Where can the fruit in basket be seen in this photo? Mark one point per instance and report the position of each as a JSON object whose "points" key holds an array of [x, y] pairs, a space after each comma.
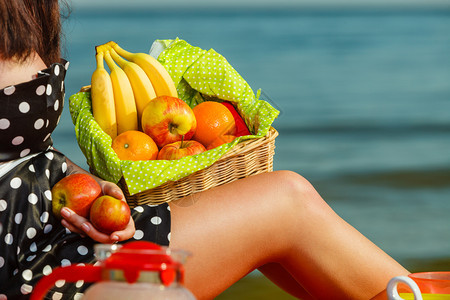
{"points": [[75, 191], [103, 107], [219, 141], [213, 120], [159, 77], [134, 145], [126, 113], [109, 214], [241, 127], [180, 149], [167, 119], [142, 87]]}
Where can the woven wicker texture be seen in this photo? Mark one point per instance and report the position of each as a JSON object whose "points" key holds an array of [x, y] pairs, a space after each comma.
{"points": [[245, 159]]}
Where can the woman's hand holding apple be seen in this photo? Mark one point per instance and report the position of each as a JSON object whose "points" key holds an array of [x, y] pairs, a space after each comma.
{"points": [[81, 225]]}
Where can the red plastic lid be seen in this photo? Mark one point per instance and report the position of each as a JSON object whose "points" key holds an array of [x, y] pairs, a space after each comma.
{"points": [[131, 258], [137, 256]]}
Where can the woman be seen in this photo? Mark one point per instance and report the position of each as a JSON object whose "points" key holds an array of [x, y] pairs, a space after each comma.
{"points": [[274, 222]]}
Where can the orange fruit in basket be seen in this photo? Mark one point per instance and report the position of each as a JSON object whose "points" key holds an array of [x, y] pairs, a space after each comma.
{"points": [[134, 145], [213, 120], [219, 141]]}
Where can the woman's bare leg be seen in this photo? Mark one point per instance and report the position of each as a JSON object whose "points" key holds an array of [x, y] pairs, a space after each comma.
{"points": [[275, 218], [283, 279]]}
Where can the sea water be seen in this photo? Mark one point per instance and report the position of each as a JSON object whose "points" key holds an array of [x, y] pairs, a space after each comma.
{"points": [[364, 99]]}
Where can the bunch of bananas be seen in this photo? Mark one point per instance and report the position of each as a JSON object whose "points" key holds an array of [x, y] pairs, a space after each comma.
{"points": [[119, 97]]}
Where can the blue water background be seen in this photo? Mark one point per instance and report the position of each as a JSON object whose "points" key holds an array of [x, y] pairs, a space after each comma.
{"points": [[364, 99]]}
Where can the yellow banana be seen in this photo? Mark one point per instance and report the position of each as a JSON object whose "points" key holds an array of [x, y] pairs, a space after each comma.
{"points": [[101, 48], [160, 78], [103, 107], [142, 87], [126, 113]]}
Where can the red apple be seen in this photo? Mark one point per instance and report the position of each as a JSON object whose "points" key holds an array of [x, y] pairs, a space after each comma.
{"points": [[109, 214], [241, 127], [77, 192], [180, 149], [167, 119]]}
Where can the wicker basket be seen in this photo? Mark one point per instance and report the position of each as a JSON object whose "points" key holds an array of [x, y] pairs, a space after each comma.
{"points": [[247, 158]]}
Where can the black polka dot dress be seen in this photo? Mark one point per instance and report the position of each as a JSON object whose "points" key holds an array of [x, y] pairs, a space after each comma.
{"points": [[32, 241]]}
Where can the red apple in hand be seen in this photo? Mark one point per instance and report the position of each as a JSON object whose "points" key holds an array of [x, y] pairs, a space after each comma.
{"points": [[180, 149], [109, 214], [241, 127], [77, 192], [166, 119]]}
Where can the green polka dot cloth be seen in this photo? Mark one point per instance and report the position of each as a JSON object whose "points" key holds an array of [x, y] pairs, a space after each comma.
{"points": [[199, 76]]}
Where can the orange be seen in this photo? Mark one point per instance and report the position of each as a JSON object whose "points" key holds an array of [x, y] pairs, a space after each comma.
{"points": [[134, 145], [213, 120], [219, 141]]}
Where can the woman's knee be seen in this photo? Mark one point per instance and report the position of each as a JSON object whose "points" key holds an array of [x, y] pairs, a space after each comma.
{"points": [[295, 185], [299, 194]]}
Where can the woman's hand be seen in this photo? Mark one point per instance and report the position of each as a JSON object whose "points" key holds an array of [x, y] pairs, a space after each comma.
{"points": [[81, 225], [110, 189], [78, 224]]}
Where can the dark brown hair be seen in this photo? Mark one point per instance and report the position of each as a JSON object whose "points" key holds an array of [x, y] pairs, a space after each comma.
{"points": [[30, 25]]}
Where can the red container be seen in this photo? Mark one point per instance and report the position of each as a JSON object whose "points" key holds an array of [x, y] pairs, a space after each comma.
{"points": [[432, 282]]}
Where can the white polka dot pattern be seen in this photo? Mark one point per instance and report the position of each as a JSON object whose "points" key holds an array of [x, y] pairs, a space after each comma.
{"points": [[24, 152], [156, 220], [44, 217], [15, 183], [4, 123], [26, 289], [33, 247], [31, 233], [82, 250], [9, 90], [37, 106], [48, 228], [3, 205], [35, 239], [32, 198], [47, 248], [47, 270], [18, 218], [40, 90], [65, 262], [60, 283], [78, 296], [27, 275], [24, 107], [17, 140], [137, 208], [9, 239], [138, 235], [31, 257]]}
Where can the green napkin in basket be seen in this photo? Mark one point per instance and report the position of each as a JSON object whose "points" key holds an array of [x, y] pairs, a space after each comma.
{"points": [[199, 75]]}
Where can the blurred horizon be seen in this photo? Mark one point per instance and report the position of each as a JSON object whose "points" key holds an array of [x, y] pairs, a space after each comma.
{"points": [[256, 4]]}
